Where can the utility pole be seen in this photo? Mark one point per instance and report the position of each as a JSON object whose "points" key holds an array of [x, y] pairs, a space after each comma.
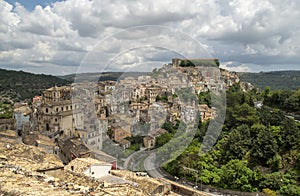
{"points": [[194, 171]]}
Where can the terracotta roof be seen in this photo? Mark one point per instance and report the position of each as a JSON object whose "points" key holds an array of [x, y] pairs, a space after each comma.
{"points": [[23, 109], [124, 142], [157, 132], [74, 145]]}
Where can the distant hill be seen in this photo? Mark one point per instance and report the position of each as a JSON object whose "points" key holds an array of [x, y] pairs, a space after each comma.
{"points": [[92, 77], [19, 85], [284, 80]]}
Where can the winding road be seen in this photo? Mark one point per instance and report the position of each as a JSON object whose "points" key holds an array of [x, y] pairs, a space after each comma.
{"points": [[134, 161], [151, 168]]}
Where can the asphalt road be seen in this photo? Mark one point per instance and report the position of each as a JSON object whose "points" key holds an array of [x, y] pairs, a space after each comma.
{"points": [[155, 171], [132, 162], [151, 168]]}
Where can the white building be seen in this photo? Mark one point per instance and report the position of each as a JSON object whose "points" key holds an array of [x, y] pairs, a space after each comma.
{"points": [[22, 117], [89, 167]]}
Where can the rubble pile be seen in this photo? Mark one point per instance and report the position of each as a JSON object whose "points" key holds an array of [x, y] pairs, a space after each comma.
{"points": [[18, 176], [149, 185], [17, 181], [30, 158], [123, 190]]}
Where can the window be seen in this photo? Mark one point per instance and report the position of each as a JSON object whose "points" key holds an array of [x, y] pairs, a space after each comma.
{"points": [[55, 119], [47, 110], [56, 109], [47, 127], [62, 108]]}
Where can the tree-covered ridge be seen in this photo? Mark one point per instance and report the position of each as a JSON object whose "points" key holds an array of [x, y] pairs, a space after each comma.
{"points": [[286, 100], [258, 150], [101, 76], [19, 85], [277, 80]]}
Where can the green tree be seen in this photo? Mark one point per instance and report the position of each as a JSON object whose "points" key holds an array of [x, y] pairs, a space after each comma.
{"points": [[163, 139], [266, 92], [264, 145], [292, 103], [237, 143], [244, 114], [167, 126], [237, 176], [290, 134]]}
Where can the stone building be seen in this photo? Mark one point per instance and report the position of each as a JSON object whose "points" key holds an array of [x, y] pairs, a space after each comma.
{"points": [[177, 62], [6, 124], [58, 112], [149, 140], [34, 138], [152, 93], [206, 112], [89, 167], [72, 148], [119, 133], [91, 136]]}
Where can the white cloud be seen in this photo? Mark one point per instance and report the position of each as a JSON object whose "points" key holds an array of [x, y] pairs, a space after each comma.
{"points": [[8, 19], [250, 32], [237, 68]]}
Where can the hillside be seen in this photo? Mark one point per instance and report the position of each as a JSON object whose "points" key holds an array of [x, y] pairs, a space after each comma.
{"points": [[19, 85], [257, 151], [91, 77], [277, 80], [98, 76]]}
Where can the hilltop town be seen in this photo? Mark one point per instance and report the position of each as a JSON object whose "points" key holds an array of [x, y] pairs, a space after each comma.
{"points": [[100, 124]]}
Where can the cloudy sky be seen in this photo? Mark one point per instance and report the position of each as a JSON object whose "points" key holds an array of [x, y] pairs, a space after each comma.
{"points": [[62, 37]]}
